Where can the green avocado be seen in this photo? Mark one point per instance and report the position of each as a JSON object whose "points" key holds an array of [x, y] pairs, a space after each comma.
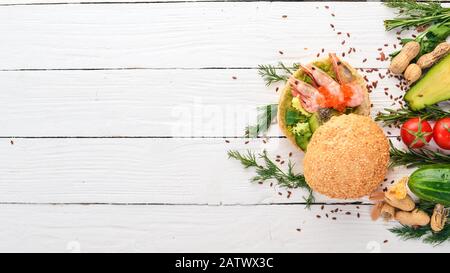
{"points": [[302, 142], [314, 122], [434, 87]]}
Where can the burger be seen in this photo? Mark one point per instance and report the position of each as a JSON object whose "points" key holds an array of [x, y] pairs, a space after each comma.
{"points": [[315, 93]]}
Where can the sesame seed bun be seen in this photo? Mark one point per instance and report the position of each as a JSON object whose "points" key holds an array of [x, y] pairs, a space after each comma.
{"points": [[347, 157], [286, 99]]}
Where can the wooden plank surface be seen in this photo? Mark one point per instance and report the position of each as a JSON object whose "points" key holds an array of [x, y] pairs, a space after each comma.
{"points": [[93, 228], [145, 102], [164, 171], [116, 118], [162, 35]]}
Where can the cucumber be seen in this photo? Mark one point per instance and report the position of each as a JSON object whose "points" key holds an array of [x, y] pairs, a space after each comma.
{"points": [[432, 183]]}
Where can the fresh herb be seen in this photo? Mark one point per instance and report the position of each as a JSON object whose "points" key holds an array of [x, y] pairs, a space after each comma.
{"points": [[430, 15], [416, 14], [271, 74], [265, 116], [416, 157], [269, 170], [293, 117], [429, 39], [395, 117]]}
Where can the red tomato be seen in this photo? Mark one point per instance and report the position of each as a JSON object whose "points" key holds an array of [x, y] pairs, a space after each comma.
{"points": [[416, 133], [441, 133]]}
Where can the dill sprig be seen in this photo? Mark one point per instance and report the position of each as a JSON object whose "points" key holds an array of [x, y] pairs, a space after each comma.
{"points": [[417, 157], [415, 14], [273, 74], [395, 117], [265, 116], [270, 171]]}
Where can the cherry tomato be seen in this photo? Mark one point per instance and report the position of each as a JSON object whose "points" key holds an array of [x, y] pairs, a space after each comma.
{"points": [[441, 133], [416, 133]]}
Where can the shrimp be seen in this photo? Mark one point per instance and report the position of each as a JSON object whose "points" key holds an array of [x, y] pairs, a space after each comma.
{"points": [[322, 79], [324, 91], [352, 90], [309, 96]]}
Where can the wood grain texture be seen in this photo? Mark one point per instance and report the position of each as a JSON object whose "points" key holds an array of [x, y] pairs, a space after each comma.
{"points": [[196, 229], [169, 35], [143, 102], [75, 76], [173, 171]]}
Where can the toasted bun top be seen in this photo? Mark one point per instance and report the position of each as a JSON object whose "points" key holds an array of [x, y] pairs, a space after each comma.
{"points": [[286, 100], [347, 157]]}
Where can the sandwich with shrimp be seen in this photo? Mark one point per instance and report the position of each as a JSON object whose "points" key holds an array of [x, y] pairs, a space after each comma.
{"points": [[316, 92]]}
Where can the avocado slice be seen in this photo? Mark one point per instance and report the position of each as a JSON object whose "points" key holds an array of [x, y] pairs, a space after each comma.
{"points": [[434, 87], [314, 122]]}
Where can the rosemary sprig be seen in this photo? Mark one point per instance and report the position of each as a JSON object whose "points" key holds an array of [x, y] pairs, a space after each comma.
{"points": [[271, 75], [425, 233], [414, 14], [269, 170], [395, 117], [266, 115], [417, 157]]}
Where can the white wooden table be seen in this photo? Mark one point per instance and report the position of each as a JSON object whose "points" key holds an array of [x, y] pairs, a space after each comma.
{"points": [[116, 117]]}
